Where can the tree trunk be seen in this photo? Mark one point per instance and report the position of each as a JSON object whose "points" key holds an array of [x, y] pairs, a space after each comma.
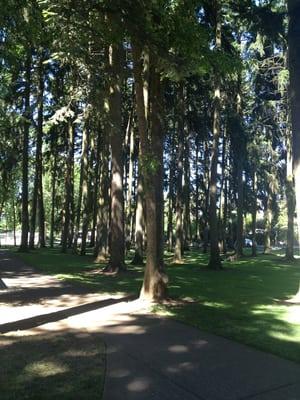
{"points": [[129, 202], [171, 195], [186, 195], [79, 202], [268, 224], [154, 284], [197, 191], [68, 185], [179, 193], [254, 211], [96, 189], [101, 248], [290, 199], [215, 260], [14, 221], [240, 205], [27, 113], [139, 221], [86, 192], [39, 157], [117, 245], [53, 192], [222, 223]]}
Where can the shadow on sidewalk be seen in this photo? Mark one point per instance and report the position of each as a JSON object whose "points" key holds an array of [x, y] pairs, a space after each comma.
{"points": [[38, 320]]}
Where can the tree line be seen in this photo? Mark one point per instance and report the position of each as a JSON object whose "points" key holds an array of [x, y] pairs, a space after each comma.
{"points": [[140, 125]]}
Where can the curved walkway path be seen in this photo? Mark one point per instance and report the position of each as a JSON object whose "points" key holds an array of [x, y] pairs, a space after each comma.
{"points": [[148, 357]]}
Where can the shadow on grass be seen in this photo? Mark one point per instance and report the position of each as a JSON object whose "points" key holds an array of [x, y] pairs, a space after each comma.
{"points": [[241, 302], [46, 366]]}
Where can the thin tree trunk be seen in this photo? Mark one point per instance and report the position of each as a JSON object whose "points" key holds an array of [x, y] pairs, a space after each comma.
{"points": [[179, 248], [101, 248], [96, 189], [130, 181], [171, 194], [186, 195], [86, 192], [240, 155], [197, 191], [68, 185], [291, 201], [25, 218], [79, 202], [268, 224], [139, 221], [254, 211], [240, 203], [53, 195], [39, 157], [215, 260], [14, 221], [222, 224]]}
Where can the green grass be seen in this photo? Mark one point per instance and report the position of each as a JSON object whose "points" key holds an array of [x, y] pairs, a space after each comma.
{"points": [[244, 302], [52, 366]]}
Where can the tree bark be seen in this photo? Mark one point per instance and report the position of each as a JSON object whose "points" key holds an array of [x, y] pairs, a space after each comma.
{"points": [[87, 190], [171, 195], [101, 248], [139, 221], [215, 260], [37, 200], [68, 185], [186, 195], [154, 284], [254, 211], [290, 199], [117, 245], [179, 248], [26, 126], [294, 92], [268, 224]]}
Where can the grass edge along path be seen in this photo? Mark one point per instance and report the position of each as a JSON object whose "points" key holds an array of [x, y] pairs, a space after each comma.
{"points": [[246, 302]]}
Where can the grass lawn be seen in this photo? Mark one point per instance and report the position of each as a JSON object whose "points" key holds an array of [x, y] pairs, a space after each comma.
{"points": [[51, 366], [244, 302]]}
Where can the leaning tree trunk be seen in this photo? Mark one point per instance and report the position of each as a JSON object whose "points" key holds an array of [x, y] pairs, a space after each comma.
{"points": [[154, 284], [25, 218], [117, 245]]}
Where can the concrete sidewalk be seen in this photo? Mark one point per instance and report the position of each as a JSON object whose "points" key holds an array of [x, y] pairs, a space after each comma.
{"points": [[149, 357]]}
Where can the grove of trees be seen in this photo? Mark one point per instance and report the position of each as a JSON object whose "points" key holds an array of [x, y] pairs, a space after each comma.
{"points": [[132, 127]]}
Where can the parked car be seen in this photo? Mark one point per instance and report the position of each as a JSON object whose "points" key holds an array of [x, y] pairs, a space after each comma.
{"points": [[248, 242]]}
